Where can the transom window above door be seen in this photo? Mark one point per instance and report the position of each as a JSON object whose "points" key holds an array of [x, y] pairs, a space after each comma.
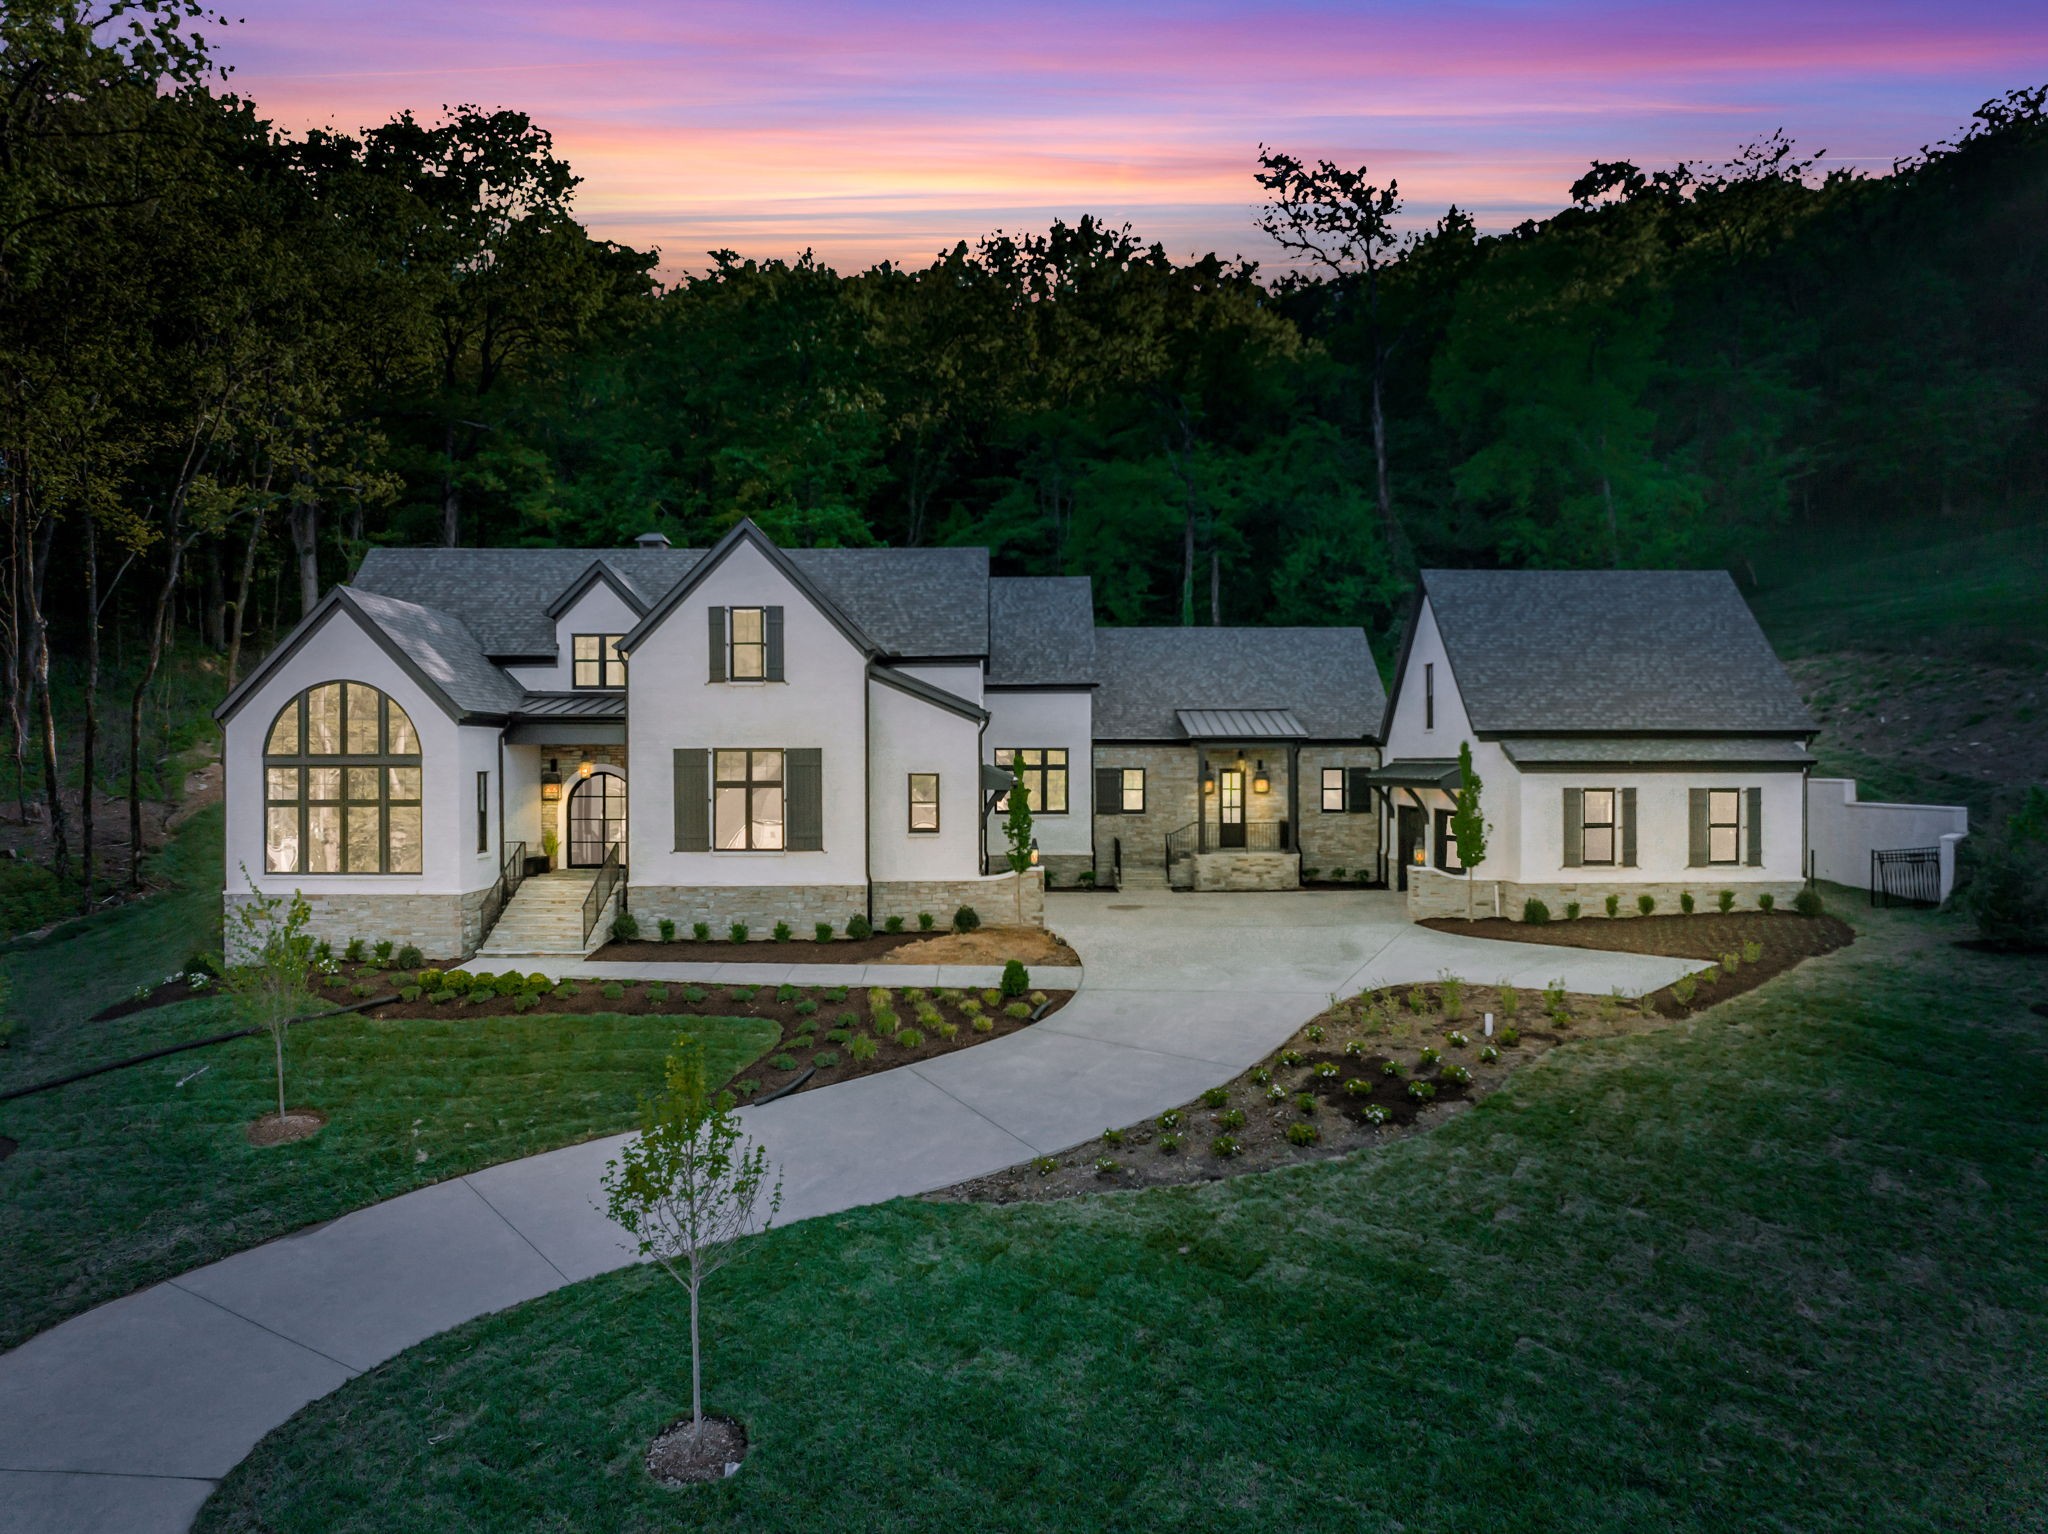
{"points": [[597, 662]]}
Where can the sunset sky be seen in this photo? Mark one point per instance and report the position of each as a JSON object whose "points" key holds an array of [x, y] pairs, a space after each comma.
{"points": [[870, 130]]}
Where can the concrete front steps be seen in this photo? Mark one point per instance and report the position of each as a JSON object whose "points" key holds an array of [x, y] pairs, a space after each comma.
{"points": [[544, 919]]}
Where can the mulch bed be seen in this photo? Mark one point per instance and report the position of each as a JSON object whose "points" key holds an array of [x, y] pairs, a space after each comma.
{"points": [[1785, 938], [805, 1043], [764, 950], [166, 995], [8, 1146], [297, 1124], [677, 1459]]}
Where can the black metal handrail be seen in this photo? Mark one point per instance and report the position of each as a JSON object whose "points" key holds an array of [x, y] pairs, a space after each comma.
{"points": [[1116, 862], [512, 870], [600, 896], [1181, 841]]}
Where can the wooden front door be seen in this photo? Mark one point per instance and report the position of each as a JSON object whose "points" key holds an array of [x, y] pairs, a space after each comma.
{"points": [[1230, 808], [597, 819], [1408, 824]]}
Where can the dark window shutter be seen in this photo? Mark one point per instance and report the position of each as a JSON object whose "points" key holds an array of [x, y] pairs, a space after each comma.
{"points": [[1109, 790], [1628, 828], [1756, 828], [1443, 839], [771, 626], [1357, 790], [1574, 827], [717, 643], [803, 778], [693, 800], [1696, 827]]}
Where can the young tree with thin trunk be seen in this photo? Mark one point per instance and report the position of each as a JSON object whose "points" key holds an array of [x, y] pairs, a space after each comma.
{"points": [[270, 967], [1017, 831], [687, 1188], [1468, 825]]}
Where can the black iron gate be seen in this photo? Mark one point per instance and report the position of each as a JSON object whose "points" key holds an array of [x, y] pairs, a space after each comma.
{"points": [[1906, 876]]}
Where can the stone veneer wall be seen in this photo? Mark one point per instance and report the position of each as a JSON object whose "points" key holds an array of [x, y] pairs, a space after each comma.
{"points": [[440, 926], [760, 906], [1433, 894], [1247, 871], [994, 899], [1064, 869], [1334, 840], [1169, 804]]}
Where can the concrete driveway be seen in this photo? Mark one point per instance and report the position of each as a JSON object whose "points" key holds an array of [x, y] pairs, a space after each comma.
{"points": [[124, 1418]]}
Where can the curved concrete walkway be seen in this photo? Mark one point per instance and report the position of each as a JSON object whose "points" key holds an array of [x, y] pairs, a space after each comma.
{"points": [[125, 1417]]}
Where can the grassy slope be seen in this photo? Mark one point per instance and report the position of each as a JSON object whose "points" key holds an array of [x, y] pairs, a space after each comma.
{"points": [[1771, 1268]]}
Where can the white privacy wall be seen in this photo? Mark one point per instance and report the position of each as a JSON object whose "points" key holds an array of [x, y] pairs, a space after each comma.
{"points": [[1845, 831], [341, 651], [1049, 718], [600, 610], [672, 702], [910, 735]]}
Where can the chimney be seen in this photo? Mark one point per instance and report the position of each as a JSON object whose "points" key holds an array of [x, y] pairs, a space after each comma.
{"points": [[651, 541]]}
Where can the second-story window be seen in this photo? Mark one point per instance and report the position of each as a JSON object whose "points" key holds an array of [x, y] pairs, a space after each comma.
{"points": [[597, 661], [747, 659], [1045, 777]]}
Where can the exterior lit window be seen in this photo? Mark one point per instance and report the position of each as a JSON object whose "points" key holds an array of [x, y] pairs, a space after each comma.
{"points": [[598, 662], [1134, 791], [1597, 834], [924, 801], [1045, 777], [747, 800], [1333, 790], [747, 649], [1724, 825], [341, 785]]}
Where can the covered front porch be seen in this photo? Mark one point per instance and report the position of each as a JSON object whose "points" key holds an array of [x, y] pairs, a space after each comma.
{"points": [[1245, 811], [1416, 798]]}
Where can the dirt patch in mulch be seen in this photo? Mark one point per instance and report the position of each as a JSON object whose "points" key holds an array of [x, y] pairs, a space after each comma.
{"points": [[679, 1458], [1778, 939], [762, 950], [818, 1023], [2039, 1009], [297, 1124], [165, 995], [8, 1146], [989, 945]]}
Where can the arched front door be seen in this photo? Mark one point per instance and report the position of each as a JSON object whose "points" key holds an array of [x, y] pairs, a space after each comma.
{"points": [[597, 819]]}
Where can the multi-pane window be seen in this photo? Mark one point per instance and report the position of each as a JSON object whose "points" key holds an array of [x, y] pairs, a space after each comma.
{"points": [[1333, 790], [924, 801], [597, 660], [1724, 825], [341, 785], [1045, 777], [1132, 791], [1596, 835], [747, 647], [747, 801]]}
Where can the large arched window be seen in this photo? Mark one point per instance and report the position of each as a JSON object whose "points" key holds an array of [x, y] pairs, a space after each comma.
{"points": [[341, 785]]}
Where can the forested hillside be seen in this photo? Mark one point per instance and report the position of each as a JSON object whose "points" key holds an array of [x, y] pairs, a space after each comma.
{"points": [[237, 358]]}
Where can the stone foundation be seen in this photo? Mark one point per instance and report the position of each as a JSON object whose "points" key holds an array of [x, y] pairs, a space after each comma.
{"points": [[1433, 894], [1063, 870], [440, 926], [760, 906], [994, 899], [1247, 871]]}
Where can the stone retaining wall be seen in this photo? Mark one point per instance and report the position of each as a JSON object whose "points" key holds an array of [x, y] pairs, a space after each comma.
{"points": [[1247, 871], [760, 906], [1433, 894], [993, 897], [440, 926]]}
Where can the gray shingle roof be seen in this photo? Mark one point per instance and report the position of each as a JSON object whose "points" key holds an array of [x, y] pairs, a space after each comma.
{"points": [[1041, 630], [914, 602], [444, 651], [1325, 676], [1549, 651]]}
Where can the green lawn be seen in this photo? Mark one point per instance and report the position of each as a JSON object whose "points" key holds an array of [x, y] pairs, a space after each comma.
{"points": [[141, 1174], [1779, 1267]]}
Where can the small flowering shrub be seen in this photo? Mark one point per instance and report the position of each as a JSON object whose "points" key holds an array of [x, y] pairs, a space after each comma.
{"points": [[1510, 1037], [1456, 1039], [1261, 1075], [1291, 1057], [1324, 1070], [1231, 1118], [1391, 1068], [1104, 1165], [1302, 1133], [1431, 1054], [1421, 1091], [1356, 1087], [1458, 1073], [1304, 1102], [1313, 1033], [1170, 1119], [1354, 1046], [1112, 1137], [1223, 1147], [1215, 1097], [1169, 1144], [1276, 1093], [1374, 1114], [1489, 1054], [1045, 1166]]}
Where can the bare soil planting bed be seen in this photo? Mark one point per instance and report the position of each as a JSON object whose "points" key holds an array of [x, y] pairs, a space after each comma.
{"points": [[985, 945], [819, 1023], [1332, 1077], [1779, 939]]}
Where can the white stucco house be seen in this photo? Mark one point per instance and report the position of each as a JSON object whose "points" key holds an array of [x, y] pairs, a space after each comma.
{"points": [[758, 735], [1634, 732]]}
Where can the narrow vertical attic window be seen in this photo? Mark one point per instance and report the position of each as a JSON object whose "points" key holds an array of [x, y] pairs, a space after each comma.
{"points": [[1429, 695], [748, 661]]}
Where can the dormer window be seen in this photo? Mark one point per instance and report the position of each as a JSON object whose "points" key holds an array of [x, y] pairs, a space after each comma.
{"points": [[746, 644], [597, 661]]}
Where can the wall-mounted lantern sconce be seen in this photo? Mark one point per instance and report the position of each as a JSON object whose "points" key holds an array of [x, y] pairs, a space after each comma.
{"points": [[1261, 784], [1208, 780], [1416, 857], [551, 783], [1034, 852], [585, 768]]}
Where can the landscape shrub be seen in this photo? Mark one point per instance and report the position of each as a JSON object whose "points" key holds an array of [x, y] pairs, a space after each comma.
{"points": [[1324, 1070], [781, 933], [1614, 905], [1231, 1118], [1170, 1119], [382, 950], [910, 1038], [1646, 904], [786, 993], [1354, 1046], [1731, 962], [893, 924], [1455, 1072], [701, 931], [1415, 1000], [1430, 1054], [1809, 903], [1556, 1002], [1685, 902], [1766, 902], [657, 993], [457, 981], [859, 928], [981, 1022], [1535, 912], [1684, 988], [1421, 1091], [742, 993], [1392, 1068], [522, 1002], [1261, 1075], [861, 1047], [1276, 1093], [1215, 1097], [991, 998], [1313, 1033], [667, 928], [1489, 1054], [362, 989], [1374, 1114], [926, 921], [1016, 981], [1510, 1001], [1456, 1039], [353, 953], [409, 957], [1571, 910], [1291, 1057], [1752, 951], [837, 1035], [737, 932], [836, 994], [784, 1062], [613, 991], [1725, 900], [1169, 1144], [948, 1031], [966, 919], [539, 982], [825, 1059], [1112, 1137], [805, 1007], [625, 927], [2006, 893], [802, 1041], [1357, 1087], [1300, 1133], [694, 993], [408, 993], [1305, 1102], [1510, 1037], [822, 932], [1018, 1009], [1223, 1147]]}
